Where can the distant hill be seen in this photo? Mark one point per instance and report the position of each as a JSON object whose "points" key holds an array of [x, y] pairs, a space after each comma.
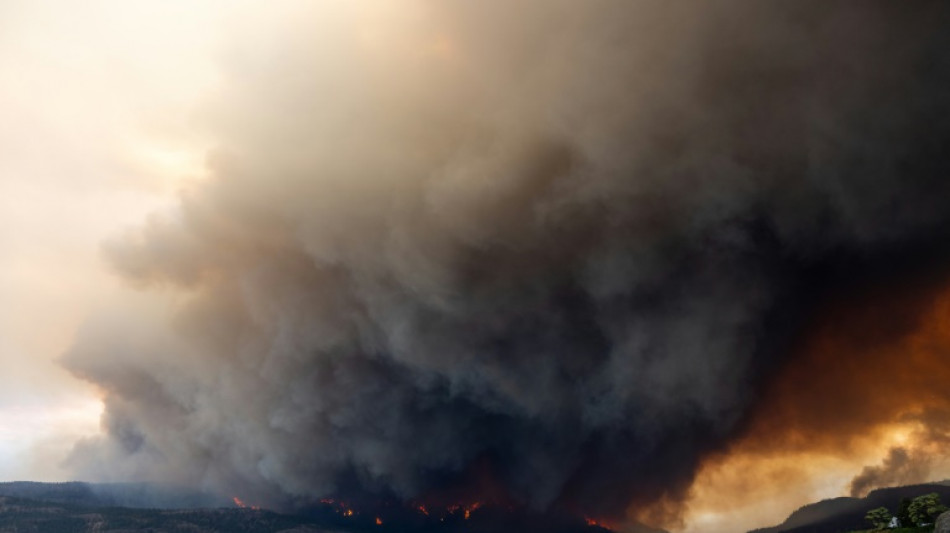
{"points": [[135, 495], [22, 515], [847, 514]]}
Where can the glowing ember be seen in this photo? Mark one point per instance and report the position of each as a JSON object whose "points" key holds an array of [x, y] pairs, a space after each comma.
{"points": [[428, 514], [466, 509], [470, 508], [340, 505]]}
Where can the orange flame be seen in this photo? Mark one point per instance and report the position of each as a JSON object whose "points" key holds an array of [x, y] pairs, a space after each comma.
{"points": [[423, 510], [242, 505], [378, 521], [591, 522], [348, 512], [470, 508]]}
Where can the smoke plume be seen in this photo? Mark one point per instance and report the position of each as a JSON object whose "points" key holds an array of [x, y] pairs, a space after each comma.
{"points": [[898, 468], [550, 252]]}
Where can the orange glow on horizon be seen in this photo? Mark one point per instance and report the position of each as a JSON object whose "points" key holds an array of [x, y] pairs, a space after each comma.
{"points": [[870, 379]]}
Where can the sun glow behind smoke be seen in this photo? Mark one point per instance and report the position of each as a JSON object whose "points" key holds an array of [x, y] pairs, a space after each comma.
{"points": [[98, 101]]}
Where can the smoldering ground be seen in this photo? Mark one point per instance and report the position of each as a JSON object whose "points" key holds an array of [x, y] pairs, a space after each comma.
{"points": [[551, 252]]}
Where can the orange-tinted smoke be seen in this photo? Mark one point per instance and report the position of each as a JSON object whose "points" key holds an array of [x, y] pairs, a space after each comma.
{"points": [[862, 403], [872, 360]]}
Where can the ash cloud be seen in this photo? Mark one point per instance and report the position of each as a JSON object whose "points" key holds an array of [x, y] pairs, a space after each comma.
{"points": [[550, 252]]}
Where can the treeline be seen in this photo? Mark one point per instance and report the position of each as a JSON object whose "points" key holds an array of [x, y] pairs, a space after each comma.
{"points": [[33, 516], [920, 511]]}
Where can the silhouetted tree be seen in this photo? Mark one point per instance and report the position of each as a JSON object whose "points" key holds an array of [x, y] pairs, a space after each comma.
{"points": [[923, 509], [903, 513], [880, 518]]}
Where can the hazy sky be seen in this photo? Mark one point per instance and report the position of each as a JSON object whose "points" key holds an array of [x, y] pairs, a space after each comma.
{"points": [[112, 112], [101, 128], [97, 103]]}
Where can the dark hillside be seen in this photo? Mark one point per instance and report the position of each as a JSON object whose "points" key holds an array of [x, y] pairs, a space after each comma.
{"points": [[76, 507], [34, 516], [847, 514], [136, 495]]}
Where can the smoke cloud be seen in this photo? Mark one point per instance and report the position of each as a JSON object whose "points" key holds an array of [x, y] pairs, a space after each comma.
{"points": [[898, 468], [553, 253]]}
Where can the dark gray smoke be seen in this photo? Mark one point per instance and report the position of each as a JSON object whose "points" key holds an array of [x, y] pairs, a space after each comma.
{"points": [[916, 460], [900, 467], [548, 251]]}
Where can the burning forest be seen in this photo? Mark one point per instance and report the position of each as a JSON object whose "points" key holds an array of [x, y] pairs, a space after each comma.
{"points": [[543, 265], [396, 515]]}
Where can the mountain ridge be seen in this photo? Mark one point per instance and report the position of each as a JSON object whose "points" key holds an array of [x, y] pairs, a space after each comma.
{"points": [[845, 513]]}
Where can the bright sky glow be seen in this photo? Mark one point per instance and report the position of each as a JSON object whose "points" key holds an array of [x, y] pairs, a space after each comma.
{"points": [[97, 99]]}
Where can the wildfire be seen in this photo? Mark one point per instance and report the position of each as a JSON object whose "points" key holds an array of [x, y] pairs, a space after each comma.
{"points": [[466, 509], [341, 506], [454, 513], [242, 505], [470, 508], [443, 513]]}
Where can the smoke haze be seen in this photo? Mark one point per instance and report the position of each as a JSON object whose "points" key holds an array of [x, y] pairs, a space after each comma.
{"points": [[558, 253]]}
